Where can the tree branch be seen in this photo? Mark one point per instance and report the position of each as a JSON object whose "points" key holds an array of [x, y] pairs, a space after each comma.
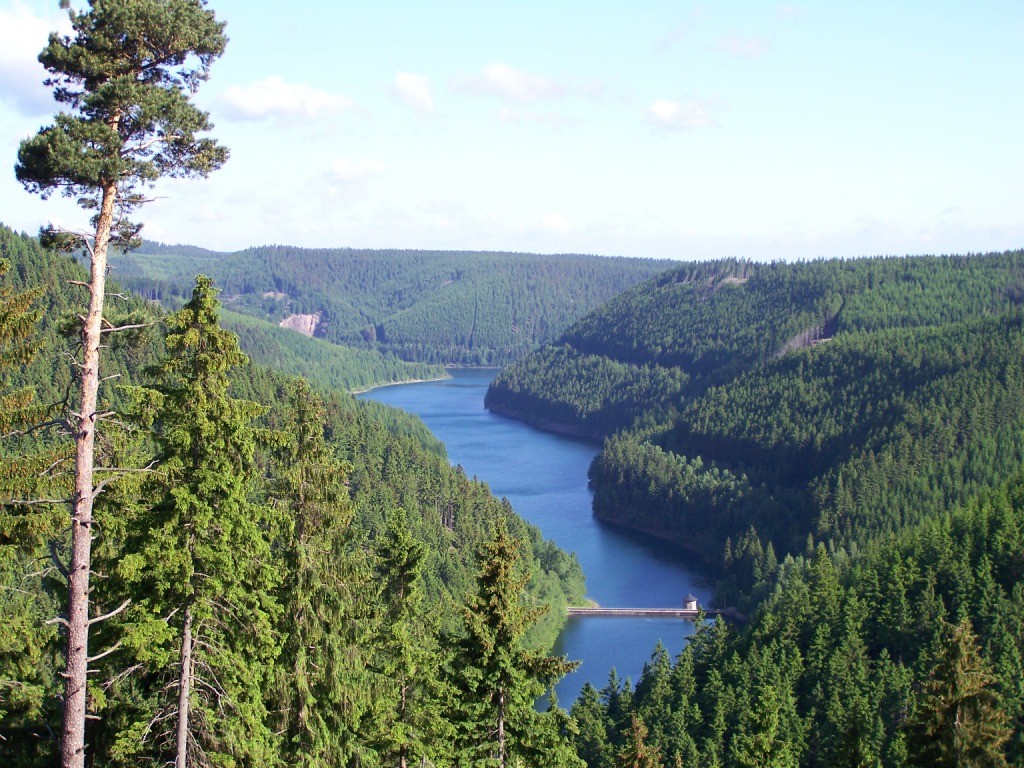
{"points": [[111, 614], [57, 561], [134, 326], [106, 653], [36, 427], [36, 502]]}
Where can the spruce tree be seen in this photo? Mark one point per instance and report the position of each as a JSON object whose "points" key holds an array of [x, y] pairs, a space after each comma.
{"points": [[637, 752], [592, 742], [321, 688], [500, 678], [959, 720], [126, 76], [409, 656], [199, 560], [27, 674], [765, 741], [18, 409]]}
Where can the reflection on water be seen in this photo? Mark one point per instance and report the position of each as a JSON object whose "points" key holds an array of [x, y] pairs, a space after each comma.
{"points": [[545, 478]]}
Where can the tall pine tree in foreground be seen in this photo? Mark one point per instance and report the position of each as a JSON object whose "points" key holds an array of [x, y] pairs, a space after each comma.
{"points": [[200, 563], [498, 676], [125, 76]]}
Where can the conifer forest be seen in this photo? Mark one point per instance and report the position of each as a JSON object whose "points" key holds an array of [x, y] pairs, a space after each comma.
{"points": [[212, 555]]}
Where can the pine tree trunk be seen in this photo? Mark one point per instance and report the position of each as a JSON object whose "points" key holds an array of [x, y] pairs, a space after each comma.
{"points": [[184, 690], [77, 655]]}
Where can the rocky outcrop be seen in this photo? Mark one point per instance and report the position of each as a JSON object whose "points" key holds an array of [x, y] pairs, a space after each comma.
{"points": [[304, 324]]}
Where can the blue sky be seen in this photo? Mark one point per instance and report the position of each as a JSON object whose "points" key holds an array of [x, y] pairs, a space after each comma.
{"points": [[650, 128]]}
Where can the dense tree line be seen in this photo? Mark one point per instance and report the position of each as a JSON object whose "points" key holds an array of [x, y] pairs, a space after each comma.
{"points": [[841, 399], [428, 306], [834, 441], [895, 641], [715, 321], [589, 395], [326, 366], [289, 580], [907, 653], [845, 441]]}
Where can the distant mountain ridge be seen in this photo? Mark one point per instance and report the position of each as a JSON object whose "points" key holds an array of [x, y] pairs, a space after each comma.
{"points": [[452, 307]]}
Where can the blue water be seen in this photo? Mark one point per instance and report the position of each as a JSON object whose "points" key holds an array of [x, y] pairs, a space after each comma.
{"points": [[545, 478]]}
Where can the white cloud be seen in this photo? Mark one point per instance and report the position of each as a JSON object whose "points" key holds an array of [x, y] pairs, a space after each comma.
{"points": [[743, 47], [556, 222], [675, 116], [273, 97], [352, 171], [22, 36], [512, 84], [414, 90]]}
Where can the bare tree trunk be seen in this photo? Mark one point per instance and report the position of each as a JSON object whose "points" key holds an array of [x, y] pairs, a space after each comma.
{"points": [[403, 751], [184, 690], [77, 656], [501, 728]]}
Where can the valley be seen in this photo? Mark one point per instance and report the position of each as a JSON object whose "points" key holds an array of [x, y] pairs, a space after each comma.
{"points": [[832, 447]]}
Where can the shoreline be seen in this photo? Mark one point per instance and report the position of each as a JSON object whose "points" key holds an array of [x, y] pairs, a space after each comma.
{"points": [[355, 392], [706, 563], [447, 375], [552, 427]]}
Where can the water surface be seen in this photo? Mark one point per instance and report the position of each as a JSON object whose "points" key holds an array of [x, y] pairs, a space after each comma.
{"points": [[545, 477]]}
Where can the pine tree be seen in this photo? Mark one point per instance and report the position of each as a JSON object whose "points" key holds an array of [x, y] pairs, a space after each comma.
{"points": [[959, 720], [126, 76], [199, 561], [499, 678]]}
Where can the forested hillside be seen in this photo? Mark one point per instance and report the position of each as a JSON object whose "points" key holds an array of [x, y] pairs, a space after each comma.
{"points": [[908, 654], [326, 566], [429, 306], [326, 366], [852, 447], [845, 440], [836, 399]]}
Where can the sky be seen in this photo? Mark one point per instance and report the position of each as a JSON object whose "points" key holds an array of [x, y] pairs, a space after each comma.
{"points": [[649, 128]]}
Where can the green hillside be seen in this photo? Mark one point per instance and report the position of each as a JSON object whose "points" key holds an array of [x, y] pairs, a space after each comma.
{"points": [[845, 440], [431, 306], [326, 366], [837, 399], [340, 496], [907, 654]]}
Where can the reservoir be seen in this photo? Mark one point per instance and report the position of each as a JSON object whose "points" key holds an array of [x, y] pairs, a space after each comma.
{"points": [[544, 476]]}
